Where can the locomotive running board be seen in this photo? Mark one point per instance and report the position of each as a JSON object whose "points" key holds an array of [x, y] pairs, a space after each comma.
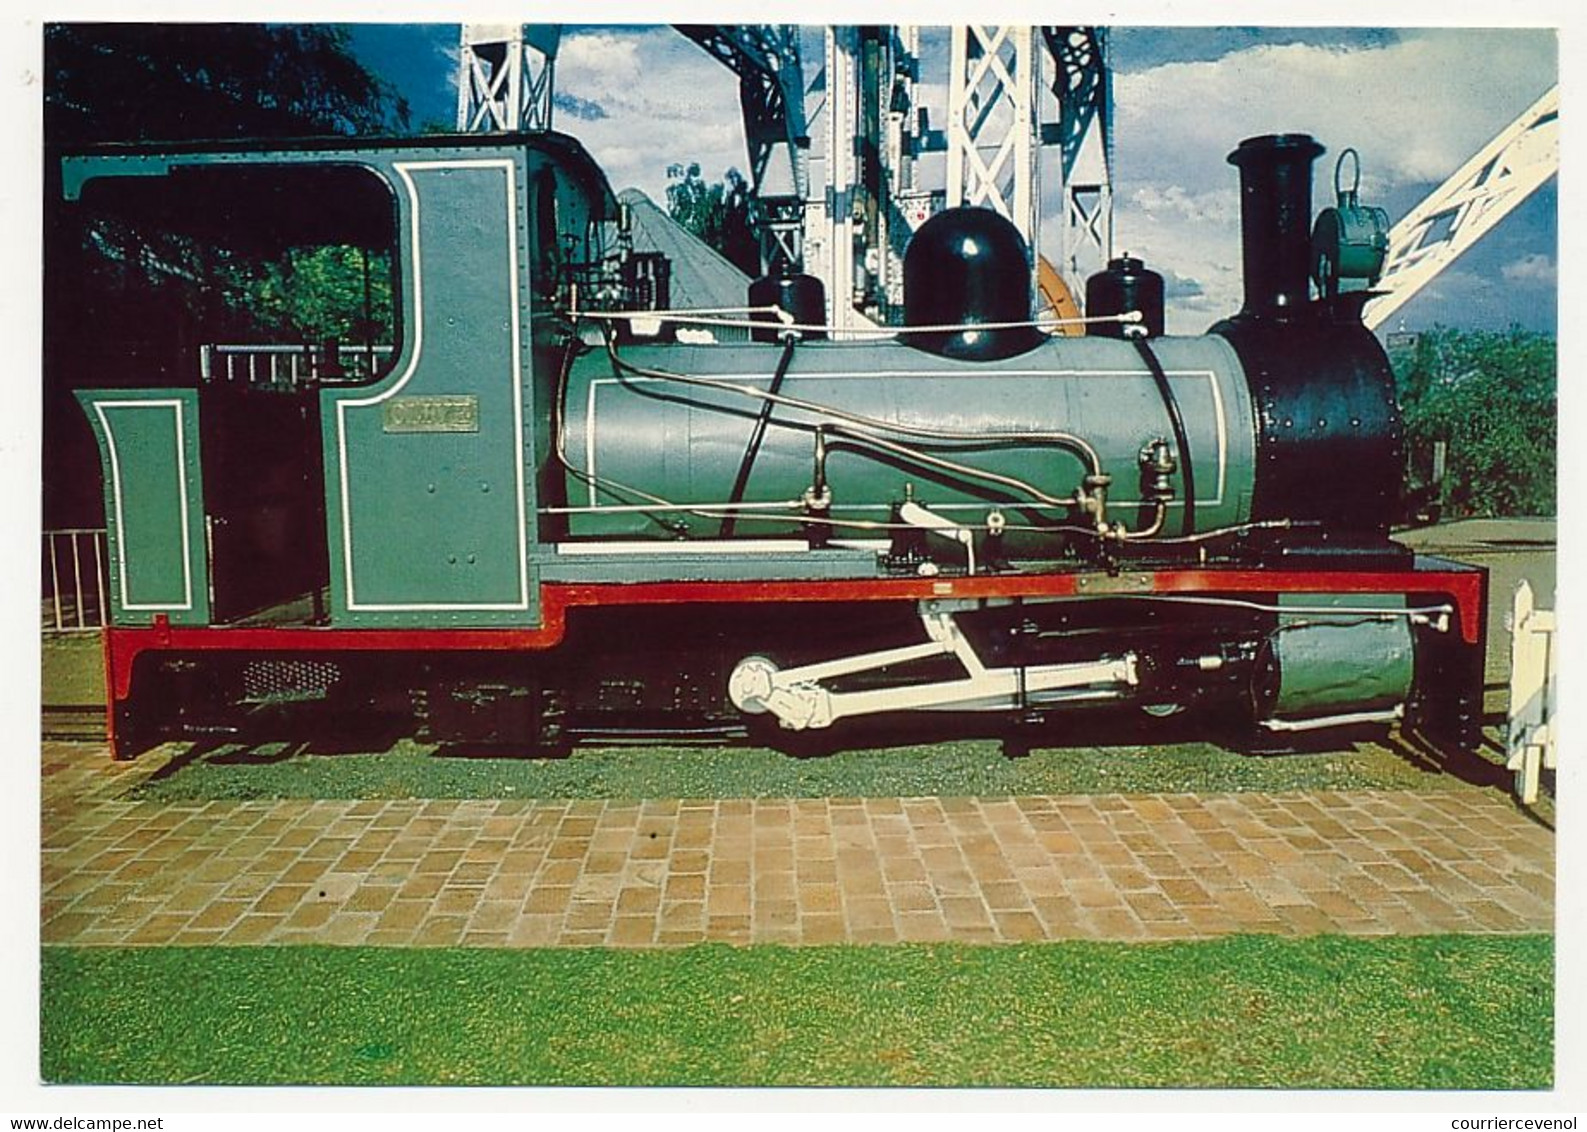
{"points": [[798, 700]]}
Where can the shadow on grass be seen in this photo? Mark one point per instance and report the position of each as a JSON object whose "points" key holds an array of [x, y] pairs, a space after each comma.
{"points": [[492, 752], [1439, 758], [1472, 767], [262, 746]]}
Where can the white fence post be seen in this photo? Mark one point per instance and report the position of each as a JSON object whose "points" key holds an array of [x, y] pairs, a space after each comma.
{"points": [[1531, 740]]}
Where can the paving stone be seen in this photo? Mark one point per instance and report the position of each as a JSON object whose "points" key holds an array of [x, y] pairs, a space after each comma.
{"points": [[685, 915], [530, 873], [440, 931], [826, 928], [1114, 923], [349, 928], [219, 914], [776, 886], [633, 931], [965, 911], [729, 900], [252, 929], [1152, 906], [535, 931]]}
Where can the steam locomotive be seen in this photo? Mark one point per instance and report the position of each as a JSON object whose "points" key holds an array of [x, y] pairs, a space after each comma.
{"points": [[566, 512]]}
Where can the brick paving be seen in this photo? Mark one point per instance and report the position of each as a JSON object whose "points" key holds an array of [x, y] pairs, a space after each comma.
{"points": [[491, 873]]}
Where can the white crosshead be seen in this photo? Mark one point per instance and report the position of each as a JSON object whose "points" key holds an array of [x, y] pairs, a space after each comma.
{"points": [[797, 698]]}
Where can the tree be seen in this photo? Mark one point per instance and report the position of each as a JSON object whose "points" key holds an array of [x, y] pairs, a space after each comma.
{"points": [[169, 82], [1491, 398], [311, 294], [719, 213]]}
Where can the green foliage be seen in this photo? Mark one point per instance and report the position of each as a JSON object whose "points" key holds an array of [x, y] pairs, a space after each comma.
{"points": [[694, 204], [718, 213], [1491, 397], [316, 293], [1444, 1012]]}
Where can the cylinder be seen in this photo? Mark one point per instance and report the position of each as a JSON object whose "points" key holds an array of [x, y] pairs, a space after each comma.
{"points": [[967, 266], [1317, 665], [1275, 220], [1126, 285], [802, 297]]}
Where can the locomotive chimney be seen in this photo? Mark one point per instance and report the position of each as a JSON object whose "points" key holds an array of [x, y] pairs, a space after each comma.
{"points": [[1275, 220]]}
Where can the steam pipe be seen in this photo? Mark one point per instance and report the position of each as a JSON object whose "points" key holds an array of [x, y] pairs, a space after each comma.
{"points": [[1275, 221], [741, 481]]}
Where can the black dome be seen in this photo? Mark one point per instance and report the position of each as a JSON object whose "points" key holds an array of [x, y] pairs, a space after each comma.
{"points": [[969, 265]]}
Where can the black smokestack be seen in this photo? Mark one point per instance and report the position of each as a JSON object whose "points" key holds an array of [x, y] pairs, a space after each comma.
{"points": [[1275, 220]]}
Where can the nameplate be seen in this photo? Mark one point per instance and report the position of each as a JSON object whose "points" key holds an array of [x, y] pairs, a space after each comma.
{"points": [[431, 414]]}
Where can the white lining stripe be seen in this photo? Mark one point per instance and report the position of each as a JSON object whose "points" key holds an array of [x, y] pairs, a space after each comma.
{"points": [[404, 170], [715, 549], [181, 489]]}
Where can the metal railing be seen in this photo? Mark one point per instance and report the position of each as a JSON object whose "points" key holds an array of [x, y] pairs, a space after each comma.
{"points": [[75, 597], [288, 367]]}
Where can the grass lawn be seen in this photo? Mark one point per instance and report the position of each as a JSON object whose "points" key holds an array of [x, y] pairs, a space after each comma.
{"points": [[1440, 1012], [408, 769]]}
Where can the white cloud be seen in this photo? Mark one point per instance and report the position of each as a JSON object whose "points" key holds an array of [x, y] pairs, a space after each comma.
{"points": [[1536, 269], [602, 59], [1416, 108], [666, 101], [1177, 203]]}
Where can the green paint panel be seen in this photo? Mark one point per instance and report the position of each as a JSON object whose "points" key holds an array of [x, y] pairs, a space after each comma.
{"points": [[154, 510], [429, 479]]}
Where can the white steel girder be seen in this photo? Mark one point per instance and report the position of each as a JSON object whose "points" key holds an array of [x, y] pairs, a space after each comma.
{"points": [[992, 124], [842, 205], [1481, 192], [506, 77], [860, 217]]}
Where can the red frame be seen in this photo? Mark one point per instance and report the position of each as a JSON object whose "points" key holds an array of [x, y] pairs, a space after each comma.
{"points": [[1466, 586]]}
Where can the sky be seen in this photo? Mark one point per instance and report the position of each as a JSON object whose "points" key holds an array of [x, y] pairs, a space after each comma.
{"points": [[1415, 102]]}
